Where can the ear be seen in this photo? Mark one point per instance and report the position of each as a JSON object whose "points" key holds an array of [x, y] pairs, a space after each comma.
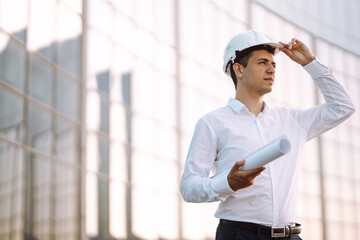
{"points": [[238, 70]]}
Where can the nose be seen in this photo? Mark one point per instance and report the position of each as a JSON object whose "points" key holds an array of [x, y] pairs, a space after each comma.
{"points": [[271, 69]]}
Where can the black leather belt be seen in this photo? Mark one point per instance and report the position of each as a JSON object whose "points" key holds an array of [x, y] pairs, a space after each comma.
{"points": [[274, 232]]}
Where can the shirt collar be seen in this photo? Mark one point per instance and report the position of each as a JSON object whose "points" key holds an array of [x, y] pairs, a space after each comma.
{"points": [[238, 106]]}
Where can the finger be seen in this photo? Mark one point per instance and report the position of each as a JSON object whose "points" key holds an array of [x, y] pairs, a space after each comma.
{"points": [[285, 45], [297, 41], [254, 172], [238, 165], [288, 52]]}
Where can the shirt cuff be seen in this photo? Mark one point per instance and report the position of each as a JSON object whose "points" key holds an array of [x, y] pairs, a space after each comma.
{"points": [[316, 68], [222, 187]]}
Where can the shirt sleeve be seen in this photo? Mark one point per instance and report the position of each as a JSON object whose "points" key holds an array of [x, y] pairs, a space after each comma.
{"points": [[338, 105], [195, 184]]}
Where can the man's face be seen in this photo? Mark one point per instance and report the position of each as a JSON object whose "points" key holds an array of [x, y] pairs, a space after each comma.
{"points": [[259, 75]]}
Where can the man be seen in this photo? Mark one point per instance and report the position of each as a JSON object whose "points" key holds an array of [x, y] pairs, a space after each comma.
{"points": [[259, 203]]}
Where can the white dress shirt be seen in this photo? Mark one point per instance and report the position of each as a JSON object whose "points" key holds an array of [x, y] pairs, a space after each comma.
{"points": [[230, 133]]}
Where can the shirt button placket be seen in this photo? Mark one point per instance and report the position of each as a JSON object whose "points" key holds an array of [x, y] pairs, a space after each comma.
{"points": [[264, 140]]}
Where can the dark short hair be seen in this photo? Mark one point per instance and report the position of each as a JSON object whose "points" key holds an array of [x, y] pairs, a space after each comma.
{"points": [[242, 57]]}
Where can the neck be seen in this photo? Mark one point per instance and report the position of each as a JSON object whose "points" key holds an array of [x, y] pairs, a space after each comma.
{"points": [[254, 104]]}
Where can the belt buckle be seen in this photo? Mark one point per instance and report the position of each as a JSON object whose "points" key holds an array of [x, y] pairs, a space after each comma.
{"points": [[277, 232]]}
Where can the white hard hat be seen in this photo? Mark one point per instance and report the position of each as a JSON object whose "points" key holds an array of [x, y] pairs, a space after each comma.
{"points": [[243, 41]]}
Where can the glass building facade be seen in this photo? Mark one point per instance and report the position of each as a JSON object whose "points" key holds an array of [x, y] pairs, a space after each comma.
{"points": [[99, 99]]}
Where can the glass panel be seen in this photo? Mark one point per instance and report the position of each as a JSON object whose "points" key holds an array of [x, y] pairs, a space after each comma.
{"points": [[39, 129], [75, 5], [97, 207], [66, 202], [145, 218], [39, 198], [119, 123], [41, 80], [119, 157], [11, 191], [92, 207], [12, 63], [101, 15], [104, 115], [97, 154], [126, 88], [68, 97], [103, 206], [117, 225], [102, 79], [14, 17], [164, 20], [67, 142], [11, 117], [69, 45], [104, 156], [100, 53], [41, 37]]}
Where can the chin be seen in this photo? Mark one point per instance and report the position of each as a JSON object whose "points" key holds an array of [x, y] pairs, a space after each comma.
{"points": [[266, 90]]}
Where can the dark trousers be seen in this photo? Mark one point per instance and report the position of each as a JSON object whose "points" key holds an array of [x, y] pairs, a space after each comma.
{"points": [[226, 232]]}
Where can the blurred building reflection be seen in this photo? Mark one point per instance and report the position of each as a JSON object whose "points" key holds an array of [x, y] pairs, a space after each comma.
{"points": [[99, 99]]}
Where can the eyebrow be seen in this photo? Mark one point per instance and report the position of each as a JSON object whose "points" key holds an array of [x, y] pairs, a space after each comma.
{"points": [[266, 60]]}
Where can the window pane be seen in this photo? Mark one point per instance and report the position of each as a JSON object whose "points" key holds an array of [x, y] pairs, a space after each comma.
{"points": [[68, 97], [92, 207], [97, 207], [104, 115], [11, 191], [97, 154], [41, 37], [39, 129], [39, 198], [117, 225], [12, 63], [98, 112], [11, 117], [75, 5], [66, 202], [14, 17], [67, 142], [69, 44], [41, 80]]}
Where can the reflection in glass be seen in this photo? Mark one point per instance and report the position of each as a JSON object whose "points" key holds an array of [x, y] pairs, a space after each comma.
{"points": [[41, 80], [11, 117], [103, 79], [39, 129], [103, 206], [11, 191], [14, 17], [97, 154], [67, 142], [12, 63], [68, 97], [117, 206], [104, 115], [42, 27], [103, 156], [69, 45], [52, 200], [66, 202], [92, 205], [38, 198], [97, 207]]}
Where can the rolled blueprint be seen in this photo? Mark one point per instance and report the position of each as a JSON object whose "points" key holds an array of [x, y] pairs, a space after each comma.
{"points": [[267, 153]]}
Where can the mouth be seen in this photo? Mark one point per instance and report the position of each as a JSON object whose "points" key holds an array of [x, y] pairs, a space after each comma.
{"points": [[269, 79]]}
